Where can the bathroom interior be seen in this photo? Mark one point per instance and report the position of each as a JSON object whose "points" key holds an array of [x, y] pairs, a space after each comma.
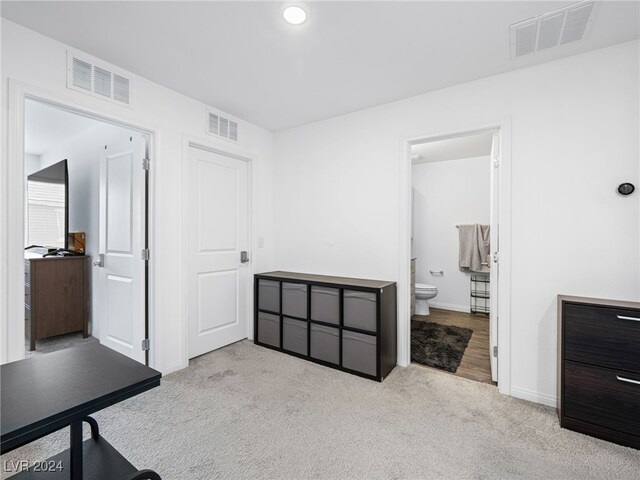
{"points": [[450, 255]]}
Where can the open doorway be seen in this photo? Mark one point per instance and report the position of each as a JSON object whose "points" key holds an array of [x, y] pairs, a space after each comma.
{"points": [[454, 245], [86, 232]]}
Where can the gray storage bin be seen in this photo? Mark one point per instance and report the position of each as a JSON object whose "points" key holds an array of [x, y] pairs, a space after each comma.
{"points": [[294, 335], [269, 295], [325, 343], [269, 329], [360, 310], [325, 304], [359, 352], [294, 299]]}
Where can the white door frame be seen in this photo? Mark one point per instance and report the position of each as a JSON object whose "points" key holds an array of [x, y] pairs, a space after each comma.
{"points": [[504, 221], [229, 150], [12, 212]]}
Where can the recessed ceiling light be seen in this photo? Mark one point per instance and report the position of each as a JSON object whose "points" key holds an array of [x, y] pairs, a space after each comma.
{"points": [[294, 15]]}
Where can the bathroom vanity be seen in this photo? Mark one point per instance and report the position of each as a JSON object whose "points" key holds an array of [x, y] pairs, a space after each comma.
{"points": [[599, 368], [344, 323]]}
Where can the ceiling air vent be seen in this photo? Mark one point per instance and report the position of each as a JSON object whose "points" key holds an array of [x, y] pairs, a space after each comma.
{"points": [[222, 127], [81, 74], [98, 80], [102, 81], [559, 27], [120, 88]]}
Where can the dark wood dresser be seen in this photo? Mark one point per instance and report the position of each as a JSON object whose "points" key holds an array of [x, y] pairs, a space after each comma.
{"points": [[599, 368], [55, 296]]}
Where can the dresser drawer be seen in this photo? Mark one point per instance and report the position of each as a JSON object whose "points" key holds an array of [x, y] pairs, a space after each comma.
{"points": [[602, 396], [603, 336]]}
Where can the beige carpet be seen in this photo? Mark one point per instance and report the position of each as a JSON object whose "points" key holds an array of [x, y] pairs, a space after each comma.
{"points": [[60, 342], [247, 412]]}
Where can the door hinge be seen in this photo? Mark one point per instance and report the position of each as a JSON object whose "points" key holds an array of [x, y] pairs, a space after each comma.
{"points": [[496, 162], [145, 254], [146, 164], [495, 351], [145, 344], [496, 257]]}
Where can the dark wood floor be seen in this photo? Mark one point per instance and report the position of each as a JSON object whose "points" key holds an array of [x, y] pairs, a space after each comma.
{"points": [[475, 364]]}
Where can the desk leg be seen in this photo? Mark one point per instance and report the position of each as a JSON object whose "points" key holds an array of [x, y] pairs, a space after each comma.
{"points": [[75, 452], [95, 431]]}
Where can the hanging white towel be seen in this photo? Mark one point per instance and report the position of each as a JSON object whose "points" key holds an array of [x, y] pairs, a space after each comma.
{"points": [[466, 235], [474, 247]]}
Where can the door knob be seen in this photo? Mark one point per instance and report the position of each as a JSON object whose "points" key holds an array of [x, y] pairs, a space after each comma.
{"points": [[244, 258], [100, 262]]}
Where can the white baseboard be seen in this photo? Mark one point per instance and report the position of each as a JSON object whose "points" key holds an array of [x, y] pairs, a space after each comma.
{"points": [[174, 367], [536, 397], [449, 306]]}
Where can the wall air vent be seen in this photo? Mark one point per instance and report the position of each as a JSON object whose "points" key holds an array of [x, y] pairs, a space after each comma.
{"points": [[84, 75], [559, 27], [222, 127]]}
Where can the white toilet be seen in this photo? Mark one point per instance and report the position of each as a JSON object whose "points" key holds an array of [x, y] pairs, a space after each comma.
{"points": [[424, 292]]}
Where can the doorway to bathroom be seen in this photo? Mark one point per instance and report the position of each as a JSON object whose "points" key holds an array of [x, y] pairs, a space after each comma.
{"points": [[454, 245]]}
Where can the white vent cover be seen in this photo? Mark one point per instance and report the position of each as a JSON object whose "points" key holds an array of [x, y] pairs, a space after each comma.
{"points": [[552, 29], [98, 80], [222, 127]]}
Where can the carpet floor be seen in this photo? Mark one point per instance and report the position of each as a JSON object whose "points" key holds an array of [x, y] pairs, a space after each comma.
{"points": [[248, 412], [53, 344]]}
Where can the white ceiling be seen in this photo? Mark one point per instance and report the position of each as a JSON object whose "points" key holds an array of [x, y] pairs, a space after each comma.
{"points": [[242, 58], [468, 146], [46, 126]]}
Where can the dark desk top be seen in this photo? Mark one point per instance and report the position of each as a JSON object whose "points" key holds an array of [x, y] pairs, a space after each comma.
{"points": [[42, 394], [35, 257], [342, 281]]}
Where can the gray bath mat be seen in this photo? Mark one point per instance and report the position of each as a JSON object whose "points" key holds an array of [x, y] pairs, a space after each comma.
{"points": [[438, 346]]}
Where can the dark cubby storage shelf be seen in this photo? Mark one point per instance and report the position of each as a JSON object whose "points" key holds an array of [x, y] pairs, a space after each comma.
{"points": [[344, 323]]}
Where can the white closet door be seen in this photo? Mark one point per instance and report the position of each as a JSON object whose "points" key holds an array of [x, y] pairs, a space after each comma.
{"points": [[217, 234]]}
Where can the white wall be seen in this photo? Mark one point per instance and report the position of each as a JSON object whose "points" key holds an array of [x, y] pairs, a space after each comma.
{"points": [[34, 59], [83, 162], [446, 194], [575, 137], [31, 164]]}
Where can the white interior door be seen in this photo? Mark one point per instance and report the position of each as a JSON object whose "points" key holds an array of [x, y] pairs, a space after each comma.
{"points": [[217, 234], [495, 248], [119, 296]]}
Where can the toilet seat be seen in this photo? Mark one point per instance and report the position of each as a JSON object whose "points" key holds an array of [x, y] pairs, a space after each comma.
{"points": [[425, 287]]}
